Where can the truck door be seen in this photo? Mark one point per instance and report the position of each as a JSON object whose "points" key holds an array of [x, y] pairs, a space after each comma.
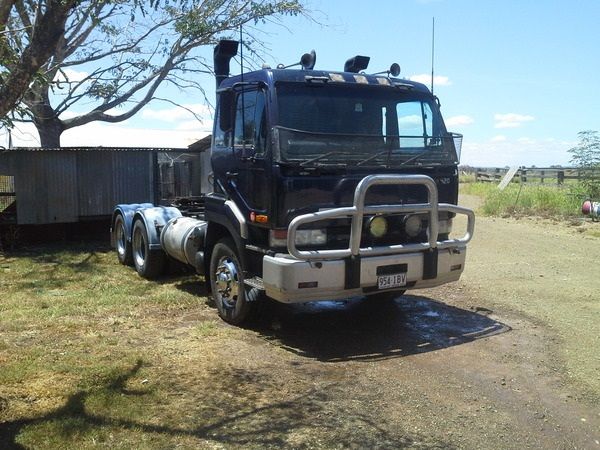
{"points": [[249, 180]]}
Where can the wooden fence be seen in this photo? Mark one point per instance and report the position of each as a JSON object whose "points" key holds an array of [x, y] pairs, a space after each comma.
{"points": [[535, 175]]}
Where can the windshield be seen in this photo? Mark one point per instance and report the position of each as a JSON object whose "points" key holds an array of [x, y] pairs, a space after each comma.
{"points": [[361, 125]]}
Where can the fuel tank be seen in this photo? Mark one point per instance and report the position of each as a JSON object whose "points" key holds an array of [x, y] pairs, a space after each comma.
{"points": [[182, 238]]}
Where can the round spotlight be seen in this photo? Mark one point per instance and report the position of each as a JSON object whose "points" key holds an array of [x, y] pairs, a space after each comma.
{"points": [[413, 225], [378, 226]]}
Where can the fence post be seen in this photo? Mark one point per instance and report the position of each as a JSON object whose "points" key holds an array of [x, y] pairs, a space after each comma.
{"points": [[560, 177], [523, 175]]}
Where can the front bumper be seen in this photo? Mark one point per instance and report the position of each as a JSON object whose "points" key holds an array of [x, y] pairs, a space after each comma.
{"points": [[307, 275], [290, 280]]}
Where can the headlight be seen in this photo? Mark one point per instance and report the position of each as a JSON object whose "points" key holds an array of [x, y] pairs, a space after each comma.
{"points": [[278, 238], [413, 225], [378, 226], [445, 226], [416, 223]]}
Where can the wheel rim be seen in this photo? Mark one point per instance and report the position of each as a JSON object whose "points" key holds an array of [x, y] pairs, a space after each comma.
{"points": [[139, 248], [227, 282], [120, 238]]}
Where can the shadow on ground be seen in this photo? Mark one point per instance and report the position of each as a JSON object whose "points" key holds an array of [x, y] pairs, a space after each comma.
{"points": [[361, 329], [220, 417]]}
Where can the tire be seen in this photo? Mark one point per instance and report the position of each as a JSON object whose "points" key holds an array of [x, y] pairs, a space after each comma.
{"points": [[227, 284], [124, 254], [148, 263]]}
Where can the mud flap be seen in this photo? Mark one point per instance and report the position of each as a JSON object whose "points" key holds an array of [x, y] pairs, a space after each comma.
{"points": [[430, 264]]}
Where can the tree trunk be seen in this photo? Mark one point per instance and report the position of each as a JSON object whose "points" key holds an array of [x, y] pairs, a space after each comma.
{"points": [[48, 31], [49, 131]]}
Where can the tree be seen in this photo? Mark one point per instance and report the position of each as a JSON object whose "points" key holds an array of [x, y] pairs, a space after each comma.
{"points": [[586, 155], [20, 60], [126, 50]]}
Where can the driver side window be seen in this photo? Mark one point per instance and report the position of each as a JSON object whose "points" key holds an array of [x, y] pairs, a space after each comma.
{"points": [[250, 123]]}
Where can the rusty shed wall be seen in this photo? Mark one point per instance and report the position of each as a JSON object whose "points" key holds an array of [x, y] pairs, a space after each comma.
{"points": [[106, 179], [46, 187], [62, 185], [133, 177]]}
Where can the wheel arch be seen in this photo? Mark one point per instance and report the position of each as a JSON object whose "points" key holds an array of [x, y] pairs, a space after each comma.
{"points": [[127, 211], [154, 219], [214, 233]]}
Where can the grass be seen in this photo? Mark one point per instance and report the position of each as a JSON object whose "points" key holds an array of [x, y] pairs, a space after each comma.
{"points": [[79, 334], [93, 356], [526, 200]]}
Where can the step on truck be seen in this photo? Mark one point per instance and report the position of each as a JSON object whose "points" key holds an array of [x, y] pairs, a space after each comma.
{"points": [[321, 185]]}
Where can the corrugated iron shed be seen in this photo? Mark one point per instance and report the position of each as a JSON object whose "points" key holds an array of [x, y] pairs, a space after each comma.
{"points": [[68, 184]]}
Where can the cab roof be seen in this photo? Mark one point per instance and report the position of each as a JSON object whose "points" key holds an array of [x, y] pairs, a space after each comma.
{"points": [[272, 76]]}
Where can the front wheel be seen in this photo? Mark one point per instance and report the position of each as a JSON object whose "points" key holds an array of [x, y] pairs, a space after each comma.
{"points": [[227, 283], [148, 263]]}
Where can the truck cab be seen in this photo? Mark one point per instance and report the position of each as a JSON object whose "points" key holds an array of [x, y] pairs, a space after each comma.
{"points": [[343, 183], [324, 185]]}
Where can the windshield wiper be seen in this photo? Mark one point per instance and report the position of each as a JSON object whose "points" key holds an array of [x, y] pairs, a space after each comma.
{"points": [[360, 163], [417, 156], [318, 158]]}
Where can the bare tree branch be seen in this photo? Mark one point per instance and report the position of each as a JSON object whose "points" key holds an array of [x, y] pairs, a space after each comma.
{"points": [[126, 50]]}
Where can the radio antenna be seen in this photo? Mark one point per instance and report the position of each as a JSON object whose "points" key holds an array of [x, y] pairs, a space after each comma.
{"points": [[432, 49], [242, 94]]}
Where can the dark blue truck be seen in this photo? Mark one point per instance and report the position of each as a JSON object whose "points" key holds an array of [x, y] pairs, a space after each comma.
{"points": [[323, 185]]}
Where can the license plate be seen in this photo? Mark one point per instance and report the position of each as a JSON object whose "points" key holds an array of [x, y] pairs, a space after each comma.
{"points": [[391, 281]]}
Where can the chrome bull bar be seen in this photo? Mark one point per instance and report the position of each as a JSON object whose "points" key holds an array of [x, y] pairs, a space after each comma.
{"points": [[358, 210]]}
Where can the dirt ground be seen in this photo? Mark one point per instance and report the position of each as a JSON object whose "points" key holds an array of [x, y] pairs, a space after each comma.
{"points": [[483, 363], [508, 357]]}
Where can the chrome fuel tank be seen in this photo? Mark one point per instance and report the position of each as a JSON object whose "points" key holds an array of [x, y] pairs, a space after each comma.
{"points": [[182, 238]]}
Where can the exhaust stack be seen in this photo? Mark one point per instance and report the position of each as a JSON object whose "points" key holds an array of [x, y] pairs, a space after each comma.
{"points": [[224, 51]]}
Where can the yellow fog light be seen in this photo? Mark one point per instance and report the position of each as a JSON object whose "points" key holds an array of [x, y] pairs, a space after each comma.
{"points": [[378, 226]]}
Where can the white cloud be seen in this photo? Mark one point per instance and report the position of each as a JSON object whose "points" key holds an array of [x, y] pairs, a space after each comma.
{"points": [[175, 113], [424, 78], [459, 121], [112, 135], [70, 75], [190, 125], [68, 115], [511, 120], [501, 151], [526, 141], [410, 122]]}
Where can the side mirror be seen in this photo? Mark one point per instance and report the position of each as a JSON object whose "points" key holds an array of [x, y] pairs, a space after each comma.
{"points": [[226, 99]]}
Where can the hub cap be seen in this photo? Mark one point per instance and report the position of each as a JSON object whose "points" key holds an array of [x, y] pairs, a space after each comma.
{"points": [[120, 238], [139, 248], [227, 282]]}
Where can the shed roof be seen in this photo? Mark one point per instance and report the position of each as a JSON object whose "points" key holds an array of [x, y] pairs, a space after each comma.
{"points": [[101, 149], [201, 145]]}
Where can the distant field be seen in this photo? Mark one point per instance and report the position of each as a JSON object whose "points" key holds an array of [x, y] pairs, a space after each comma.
{"points": [[527, 200]]}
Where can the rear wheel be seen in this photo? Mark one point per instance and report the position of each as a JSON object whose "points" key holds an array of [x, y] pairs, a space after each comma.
{"points": [[148, 263], [123, 246], [227, 283]]}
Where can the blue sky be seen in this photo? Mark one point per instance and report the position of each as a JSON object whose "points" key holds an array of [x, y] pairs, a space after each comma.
{"points": [[517, 78]]}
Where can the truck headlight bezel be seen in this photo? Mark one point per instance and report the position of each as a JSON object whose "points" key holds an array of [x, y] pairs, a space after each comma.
{"points": [[318, 236]]}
